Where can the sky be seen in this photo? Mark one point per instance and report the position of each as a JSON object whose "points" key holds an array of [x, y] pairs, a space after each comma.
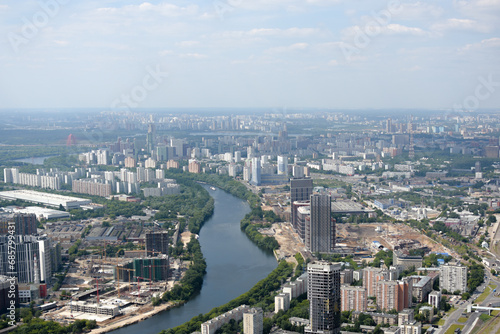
{"points": [[339, 54]]}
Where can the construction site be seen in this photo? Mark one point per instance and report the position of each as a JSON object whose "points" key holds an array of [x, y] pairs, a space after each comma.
{"points": [[115, 291], [356, 239]]}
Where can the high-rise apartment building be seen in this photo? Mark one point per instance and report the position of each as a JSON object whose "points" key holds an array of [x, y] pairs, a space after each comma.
{"points": [[320, 233], [300, 190], [33, 262], [194, 167], [21, 223], [157, 242], [394, 295], [353, 298], [323, 292], [253, 321], [453, 277], [371, 276]]}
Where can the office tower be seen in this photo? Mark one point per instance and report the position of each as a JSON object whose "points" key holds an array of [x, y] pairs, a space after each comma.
{"points": [[388, 126], [179, 147], [282, 164], [323, 293], [256, 171], [157, 242], [300, 190], [150, 138], [453, 277], [253, 321], [353, 298], [320, 233]]}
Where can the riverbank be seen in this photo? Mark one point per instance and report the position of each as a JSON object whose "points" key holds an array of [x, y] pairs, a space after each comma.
{"points": [[126, 320], [234, 266]]}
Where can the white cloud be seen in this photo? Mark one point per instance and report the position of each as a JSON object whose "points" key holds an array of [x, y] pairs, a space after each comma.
{"points": [[418, 11], [293, 32], [372, 30], [460, 25], [333, 62], [401, 29], [290, 48], [484, 44], [485, 11], [147, 9], [287, 5]]}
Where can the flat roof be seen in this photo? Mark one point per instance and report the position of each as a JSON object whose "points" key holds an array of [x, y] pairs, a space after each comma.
{"points": [[349, 207], [44, 198]]}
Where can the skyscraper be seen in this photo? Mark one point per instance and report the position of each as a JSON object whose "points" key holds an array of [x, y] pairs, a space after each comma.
{"points": [[323, 292], [282, 164], [300, 190], [320, 233], [150, 137], [256, 171]]}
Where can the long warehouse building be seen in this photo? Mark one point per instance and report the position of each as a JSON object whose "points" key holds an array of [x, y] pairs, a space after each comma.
{"points": [[42, 198]]}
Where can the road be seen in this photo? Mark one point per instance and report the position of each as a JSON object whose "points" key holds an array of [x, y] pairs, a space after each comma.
{"points": [[462, 308]]}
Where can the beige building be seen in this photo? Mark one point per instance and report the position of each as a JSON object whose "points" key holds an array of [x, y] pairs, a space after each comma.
{"points": [[353, 298], [253, 321]]}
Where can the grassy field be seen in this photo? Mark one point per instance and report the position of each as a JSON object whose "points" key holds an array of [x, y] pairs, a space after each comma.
{"points": [[462, 319], [452, 328], [485, 294], [492, 327]]}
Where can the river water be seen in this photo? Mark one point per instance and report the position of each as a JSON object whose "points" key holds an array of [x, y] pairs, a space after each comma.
{"points": [[234, 265]]}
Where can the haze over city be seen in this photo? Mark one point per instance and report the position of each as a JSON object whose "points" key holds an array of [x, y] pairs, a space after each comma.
{"points": [[242, 53]]}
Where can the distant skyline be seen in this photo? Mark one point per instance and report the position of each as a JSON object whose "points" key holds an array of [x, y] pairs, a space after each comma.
{"points": [[250, 54]]}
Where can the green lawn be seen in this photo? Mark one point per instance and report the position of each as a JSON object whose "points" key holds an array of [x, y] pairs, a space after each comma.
{"points": [[441, 322], [452, 328], [462, 319], [451, 311], [485, 293]]}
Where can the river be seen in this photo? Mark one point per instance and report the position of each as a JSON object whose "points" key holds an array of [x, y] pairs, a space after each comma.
{"points": [[34, 161], [234, 265]]}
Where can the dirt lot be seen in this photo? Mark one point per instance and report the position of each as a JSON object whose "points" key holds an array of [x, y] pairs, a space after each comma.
{"points": [[289, 241], [364, 234]]}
